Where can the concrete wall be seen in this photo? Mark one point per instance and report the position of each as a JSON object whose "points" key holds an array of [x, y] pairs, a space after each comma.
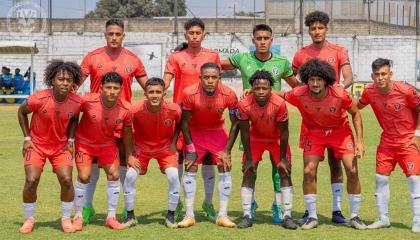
{"points": [[362, 49]]}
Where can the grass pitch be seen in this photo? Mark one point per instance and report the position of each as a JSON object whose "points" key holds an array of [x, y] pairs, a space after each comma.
{"points": [[152, 201]]}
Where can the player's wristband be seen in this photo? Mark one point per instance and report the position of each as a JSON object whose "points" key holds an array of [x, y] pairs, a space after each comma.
{"points": [[70, 140], [190, 147], [417, 133], [28, 138]]}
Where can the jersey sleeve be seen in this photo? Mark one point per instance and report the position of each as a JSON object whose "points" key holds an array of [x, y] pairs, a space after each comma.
{"points": [[187, 102], [343, 57], [282, 113], [413, 97], [171, 65], [235, 59], [140, 71], [242, 114], [364, 99], [178, 114], [347, 101], [33, 103], [288, 70], [128, 119], [232, 101], [218, 60], [296, 60], [85, 65]]}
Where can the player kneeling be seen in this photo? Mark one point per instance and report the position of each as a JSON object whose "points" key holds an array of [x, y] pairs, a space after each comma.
{"points": [[202, 124], [324, 112], [269, 131], [51, 135], [103, 115], [156, 130]]}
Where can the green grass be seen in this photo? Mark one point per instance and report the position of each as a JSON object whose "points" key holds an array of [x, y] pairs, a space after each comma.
{"points": [[152, 200]]}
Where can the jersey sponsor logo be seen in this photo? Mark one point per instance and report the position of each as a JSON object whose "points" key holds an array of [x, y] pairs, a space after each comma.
{"points": [[167, 122], [397, 106], [331, 60], [328, 131], [128, 69], [333, 109], [410, 166], [275, 71]]}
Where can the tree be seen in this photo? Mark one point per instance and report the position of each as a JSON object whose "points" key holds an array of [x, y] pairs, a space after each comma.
{"points": [[136, 8]]}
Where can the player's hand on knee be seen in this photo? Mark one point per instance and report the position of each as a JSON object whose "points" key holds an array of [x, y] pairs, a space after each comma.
{"points": [[226, 161], [134, 163], [360, 150], [284, 167]]}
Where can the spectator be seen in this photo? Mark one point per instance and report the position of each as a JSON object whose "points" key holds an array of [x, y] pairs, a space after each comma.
{"points": [[19, 82]]}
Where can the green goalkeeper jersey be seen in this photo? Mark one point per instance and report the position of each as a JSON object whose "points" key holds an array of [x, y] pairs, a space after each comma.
{"points": [[247, 63]]}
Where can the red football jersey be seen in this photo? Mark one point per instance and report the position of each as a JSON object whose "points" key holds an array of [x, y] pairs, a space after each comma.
{"points": [[153, 132], [327, 113], [207, 111], [264, 120], [334, 54], [396, 111], [50, 119], [99, 62], [98, 123], [186, 68]]}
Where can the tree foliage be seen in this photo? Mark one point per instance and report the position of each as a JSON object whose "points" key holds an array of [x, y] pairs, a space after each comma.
{"points": [[136, 8]]}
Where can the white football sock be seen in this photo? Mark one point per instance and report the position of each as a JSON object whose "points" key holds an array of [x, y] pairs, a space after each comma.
{"points": [[287, 199], [123, 173], [209, 176], [29, 210], [414, 183], [225, 190], [130, 188], [354, 204], [80, 192], [382, 194], [91, 186], [310, 204], [277, 198], [113, 193], [190, 187], [337, 194], [66, 208], [246, 196], [173, 188]]}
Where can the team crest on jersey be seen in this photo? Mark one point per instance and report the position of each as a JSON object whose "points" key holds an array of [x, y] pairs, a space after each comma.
{"points": [[44, 111], [397, 106], [183, 65], [272, 116], [331, 60], [410, 166], [350, 146], [93, 116], [70, 158], [167, 122], [70, 115], [99, 66], [128, 69], [194, 65], [275, 71], [333, 109]]}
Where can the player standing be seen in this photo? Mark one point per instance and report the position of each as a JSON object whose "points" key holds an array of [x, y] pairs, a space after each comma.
{"points": [[184, 65], [111, 58], [156, 130], [396, 106], [324, 113], [202, 124], [103, 114], [280, 68], [51, 135], [337, 57], [269, 131]]}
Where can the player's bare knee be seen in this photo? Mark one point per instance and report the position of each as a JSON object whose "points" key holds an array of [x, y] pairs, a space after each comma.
{"points": [[66, 182], [113, 176], [31, 183], [84, 178]]}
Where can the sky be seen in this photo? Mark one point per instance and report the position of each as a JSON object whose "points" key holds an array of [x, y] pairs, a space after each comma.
{"points": [[75, 8]]}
